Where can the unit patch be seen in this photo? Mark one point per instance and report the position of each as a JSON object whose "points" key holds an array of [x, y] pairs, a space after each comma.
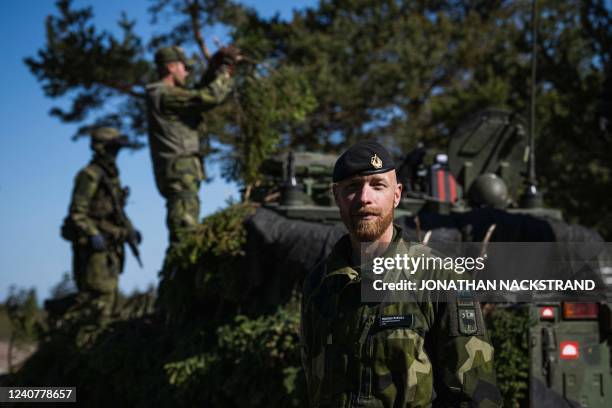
{"points": [[465, 315], [467, 320]]}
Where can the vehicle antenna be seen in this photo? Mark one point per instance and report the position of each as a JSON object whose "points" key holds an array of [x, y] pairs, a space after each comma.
{"points": [[532, 198]]}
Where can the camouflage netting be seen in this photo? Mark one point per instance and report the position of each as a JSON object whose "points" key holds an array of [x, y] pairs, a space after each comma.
{"points": [[225, 333]]}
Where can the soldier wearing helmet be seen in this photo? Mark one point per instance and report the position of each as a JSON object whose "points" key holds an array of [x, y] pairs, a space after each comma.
{"points": [[97, 226], [400, 353], [175, 119]]}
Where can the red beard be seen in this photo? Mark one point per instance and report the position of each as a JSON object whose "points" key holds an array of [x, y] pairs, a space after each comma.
{"points": [[367, 230]]}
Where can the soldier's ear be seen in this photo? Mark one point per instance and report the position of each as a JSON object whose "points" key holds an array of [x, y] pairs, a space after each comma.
{"points": [[397, 194]]}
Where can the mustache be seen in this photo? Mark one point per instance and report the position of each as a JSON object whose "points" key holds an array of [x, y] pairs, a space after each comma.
{"points": [[366, 211]]}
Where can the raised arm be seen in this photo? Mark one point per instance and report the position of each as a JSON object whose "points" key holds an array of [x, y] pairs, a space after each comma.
{"points": [[192, 101]]}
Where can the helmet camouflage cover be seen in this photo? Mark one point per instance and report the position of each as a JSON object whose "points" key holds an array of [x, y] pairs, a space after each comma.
{"points": [[171, 54], [107, 135]]}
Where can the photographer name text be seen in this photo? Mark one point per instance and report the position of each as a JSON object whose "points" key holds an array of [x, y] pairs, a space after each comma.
{"points": [[489, 285]]}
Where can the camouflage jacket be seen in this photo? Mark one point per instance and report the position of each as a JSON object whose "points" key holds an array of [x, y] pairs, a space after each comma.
{"points": [[175, 115], [96, 193], [402, 354]]}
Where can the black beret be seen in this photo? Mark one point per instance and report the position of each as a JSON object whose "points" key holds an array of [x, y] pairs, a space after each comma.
{"points": [[363, 158]]}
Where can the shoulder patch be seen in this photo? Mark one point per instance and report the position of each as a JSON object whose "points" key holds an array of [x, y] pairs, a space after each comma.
{"points": [[468, 324], [465, 316]]}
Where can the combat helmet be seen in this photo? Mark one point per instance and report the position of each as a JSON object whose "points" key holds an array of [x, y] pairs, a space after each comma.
{"points": [[489, 190], [172, 54], [103, 136]]}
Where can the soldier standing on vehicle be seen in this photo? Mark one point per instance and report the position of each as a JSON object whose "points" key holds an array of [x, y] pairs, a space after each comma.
{"points": [[396, 354], [98, 227], [175, 119]]}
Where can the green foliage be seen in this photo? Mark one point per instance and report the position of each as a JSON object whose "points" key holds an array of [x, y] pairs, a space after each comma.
{"points": [[136, 305], [204, 265], [220, 235], [268, 105], [397, 71], [253, 358], [66, 315], [92, 67], [216, 360], [24, 314], [128, 355], [5, 324], [247, 362], [509, 330]]}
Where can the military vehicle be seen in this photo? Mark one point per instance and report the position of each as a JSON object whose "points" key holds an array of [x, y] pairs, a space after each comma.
{"points": [[480, 190]]}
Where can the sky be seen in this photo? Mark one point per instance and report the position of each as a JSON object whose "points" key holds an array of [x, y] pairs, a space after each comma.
{"points": [[38, 159]]}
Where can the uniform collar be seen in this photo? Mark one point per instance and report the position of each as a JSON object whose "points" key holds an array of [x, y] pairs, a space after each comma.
{"points": [[339, 261], [109, 165]]}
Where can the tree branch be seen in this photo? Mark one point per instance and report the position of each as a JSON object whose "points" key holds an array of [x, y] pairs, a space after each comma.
{"points": [[123, 88], [194, 10]]}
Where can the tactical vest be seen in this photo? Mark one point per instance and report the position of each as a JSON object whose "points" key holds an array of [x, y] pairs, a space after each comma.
{"points": [[102, 207], [110, 192], [170, 135]]}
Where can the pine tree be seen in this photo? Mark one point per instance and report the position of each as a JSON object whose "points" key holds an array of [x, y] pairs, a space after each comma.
{"points": [[345, 70]]}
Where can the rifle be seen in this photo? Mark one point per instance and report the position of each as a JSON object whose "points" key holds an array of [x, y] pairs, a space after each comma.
{"points": [[123, 219]]}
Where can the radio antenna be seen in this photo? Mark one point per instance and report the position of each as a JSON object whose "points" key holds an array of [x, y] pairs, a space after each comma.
{"points": [[532, 198]]}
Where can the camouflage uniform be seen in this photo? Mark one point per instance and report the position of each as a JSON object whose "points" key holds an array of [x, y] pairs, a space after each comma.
{"points": [[93, 213], [402, 354], [175, 116]]}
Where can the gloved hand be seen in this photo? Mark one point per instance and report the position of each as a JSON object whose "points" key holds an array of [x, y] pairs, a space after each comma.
{"points": [[135, 236], [228, 56], [231, 54], [98, 243]]}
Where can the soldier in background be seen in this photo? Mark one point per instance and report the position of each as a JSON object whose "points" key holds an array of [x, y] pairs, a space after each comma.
{"points": [[175, 116], [98, 227], [395, 354]]}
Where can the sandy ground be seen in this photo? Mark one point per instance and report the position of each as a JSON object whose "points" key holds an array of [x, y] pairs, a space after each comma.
{"points": [[19, 355]]}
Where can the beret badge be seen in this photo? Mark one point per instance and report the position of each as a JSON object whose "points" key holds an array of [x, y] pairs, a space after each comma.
{"points": [[376, 162], [363, 158]]}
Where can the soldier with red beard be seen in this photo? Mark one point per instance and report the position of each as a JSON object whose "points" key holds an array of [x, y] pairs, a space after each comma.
{"points": [[385, 354]]}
